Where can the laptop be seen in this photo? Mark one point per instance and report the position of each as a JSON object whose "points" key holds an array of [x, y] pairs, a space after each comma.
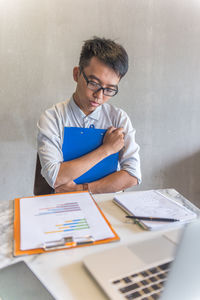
{"points": [[147, 270]]}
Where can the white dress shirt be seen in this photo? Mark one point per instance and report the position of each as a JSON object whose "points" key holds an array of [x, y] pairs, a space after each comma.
{"points": [[67, 114]]}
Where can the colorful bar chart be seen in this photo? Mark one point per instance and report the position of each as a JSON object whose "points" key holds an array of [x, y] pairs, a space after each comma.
{"points": [[70, 225], [59, 208]]}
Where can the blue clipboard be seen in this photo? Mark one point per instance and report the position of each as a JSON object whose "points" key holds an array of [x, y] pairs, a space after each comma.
{"points": [[80, 141]]}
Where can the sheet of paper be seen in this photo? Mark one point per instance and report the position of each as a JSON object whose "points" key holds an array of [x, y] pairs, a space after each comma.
{"points": [[153, 204], [50, 218]]}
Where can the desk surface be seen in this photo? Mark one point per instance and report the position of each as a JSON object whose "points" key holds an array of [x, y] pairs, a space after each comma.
{"points": [[62, 271]]}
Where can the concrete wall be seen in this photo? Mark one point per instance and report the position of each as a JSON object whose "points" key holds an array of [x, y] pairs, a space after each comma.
{"points": [[40, 43]]}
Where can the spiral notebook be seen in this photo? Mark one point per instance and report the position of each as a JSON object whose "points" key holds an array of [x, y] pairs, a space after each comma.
{"points": [[153, 203]]}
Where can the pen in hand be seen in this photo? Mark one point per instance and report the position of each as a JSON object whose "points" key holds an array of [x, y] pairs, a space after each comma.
{"points": [[152, 219]]}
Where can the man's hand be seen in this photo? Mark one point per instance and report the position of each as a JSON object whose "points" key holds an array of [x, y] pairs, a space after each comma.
{"points": [[69, 187], [113, 140]]}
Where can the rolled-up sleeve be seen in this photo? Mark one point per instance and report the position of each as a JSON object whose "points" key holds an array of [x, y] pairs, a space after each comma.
{"points": [[49, 143], [129, 156]]}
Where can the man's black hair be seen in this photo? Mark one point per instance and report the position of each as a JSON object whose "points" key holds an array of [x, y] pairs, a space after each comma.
{"points": [[107, 51]]}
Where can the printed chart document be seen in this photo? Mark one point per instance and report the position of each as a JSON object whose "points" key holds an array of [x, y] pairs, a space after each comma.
{"points": [[48, 219], [153, 203]]}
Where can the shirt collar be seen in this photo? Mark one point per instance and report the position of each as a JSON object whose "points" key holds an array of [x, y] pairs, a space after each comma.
{"points": [[94, 115]]}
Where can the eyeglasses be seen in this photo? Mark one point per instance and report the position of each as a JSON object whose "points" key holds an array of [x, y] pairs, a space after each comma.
{"points": [[96, 87]]}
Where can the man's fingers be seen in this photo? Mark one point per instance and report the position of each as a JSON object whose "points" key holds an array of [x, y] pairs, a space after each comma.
{"points": [[114, 129], [111, 129], [120, 130]]}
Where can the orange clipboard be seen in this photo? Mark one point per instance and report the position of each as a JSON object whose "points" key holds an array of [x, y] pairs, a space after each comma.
{"points": [[67, 243]]}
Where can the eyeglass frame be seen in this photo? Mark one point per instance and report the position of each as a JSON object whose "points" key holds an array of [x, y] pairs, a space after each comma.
{"points": [[100, 86]]}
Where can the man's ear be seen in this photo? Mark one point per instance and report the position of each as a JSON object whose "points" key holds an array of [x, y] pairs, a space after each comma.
{"points": [[76, 73]]}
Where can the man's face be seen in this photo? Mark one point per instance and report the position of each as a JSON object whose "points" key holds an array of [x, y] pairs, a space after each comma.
{"points": [[99, 73]]}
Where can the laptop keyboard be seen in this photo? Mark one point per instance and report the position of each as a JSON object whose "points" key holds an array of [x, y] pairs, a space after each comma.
{"points": [[145, 285]]}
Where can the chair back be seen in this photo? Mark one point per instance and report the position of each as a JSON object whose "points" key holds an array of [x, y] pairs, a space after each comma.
{"points": [[41, 187]]}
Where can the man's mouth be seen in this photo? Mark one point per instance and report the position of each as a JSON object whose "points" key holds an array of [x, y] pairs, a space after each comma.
{"points": [[93, 103]]}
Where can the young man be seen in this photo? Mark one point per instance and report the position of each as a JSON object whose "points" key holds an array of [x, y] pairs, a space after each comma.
{"points": [[102, 64]]}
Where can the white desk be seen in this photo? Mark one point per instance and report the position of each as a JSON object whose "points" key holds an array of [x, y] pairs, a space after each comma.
{"points": [[62, 271]]}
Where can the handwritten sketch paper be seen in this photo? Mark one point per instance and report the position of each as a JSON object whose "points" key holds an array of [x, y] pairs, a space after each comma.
{"points": [[153, 204], [50, 218]]}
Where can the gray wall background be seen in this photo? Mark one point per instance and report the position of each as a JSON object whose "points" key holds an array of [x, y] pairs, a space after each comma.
{"points": [[40, 45]]}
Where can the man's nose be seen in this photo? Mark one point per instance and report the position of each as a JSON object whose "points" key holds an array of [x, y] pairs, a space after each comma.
{"points": [[99, 93]]}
